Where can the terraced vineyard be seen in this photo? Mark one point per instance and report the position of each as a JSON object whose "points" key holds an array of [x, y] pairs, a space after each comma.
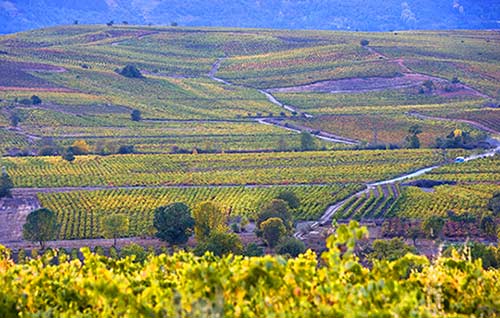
{"points": [[467, 198], [80, 212], [219, 169], [72, 70], [376, 203], [485, 170]]}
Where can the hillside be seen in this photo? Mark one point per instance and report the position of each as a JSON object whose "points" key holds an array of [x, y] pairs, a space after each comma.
{"points": [[310, 14], [242, 90]]}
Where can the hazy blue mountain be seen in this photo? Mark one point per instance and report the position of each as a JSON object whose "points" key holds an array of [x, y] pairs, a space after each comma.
{"points": [[365, 15]]}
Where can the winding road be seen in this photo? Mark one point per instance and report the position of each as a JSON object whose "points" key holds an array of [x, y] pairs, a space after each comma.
{"points": [[327, 216]]}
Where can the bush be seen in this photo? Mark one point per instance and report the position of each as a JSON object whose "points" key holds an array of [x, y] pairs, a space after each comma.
{"points": [[252, 250], [6, 184], [80, 147], [364, 42], [220, 243], [35, 100], [291, 246], [136, 115], [126, 149], [135, 250], [494, 204], [390, 250], [131, 71]]}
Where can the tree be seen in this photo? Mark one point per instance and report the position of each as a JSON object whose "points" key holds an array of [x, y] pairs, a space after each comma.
{"points": [[15, 120], [68, 155], [291, 246], [114, 225], [130, 71], [110, 23], [6, 184], [35, 100], [488, 225], [80, 147], [273, 230], [433, 226], [429, 84], [390, 250], [126, 149], [220, 243], [412, 141], [136, 115], [415, 129], [494, 204], [41, 226], [364, 42], [208, 218], [307, 141], [173, 223], [276, 208], [290, 198]]}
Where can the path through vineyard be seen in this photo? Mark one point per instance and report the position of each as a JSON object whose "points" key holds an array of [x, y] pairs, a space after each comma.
{"points": [[327, 217]]}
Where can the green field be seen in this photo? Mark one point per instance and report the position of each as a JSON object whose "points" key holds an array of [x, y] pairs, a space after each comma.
{"points": [[139, 204], [72, 69], [203, 94], [219, 169]]}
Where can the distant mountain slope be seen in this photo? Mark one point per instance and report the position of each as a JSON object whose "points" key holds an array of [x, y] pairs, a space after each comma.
{"points": [[368, 15]]}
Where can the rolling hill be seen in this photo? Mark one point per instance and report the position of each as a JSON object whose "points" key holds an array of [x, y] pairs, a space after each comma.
{"points": [[305, 14]]}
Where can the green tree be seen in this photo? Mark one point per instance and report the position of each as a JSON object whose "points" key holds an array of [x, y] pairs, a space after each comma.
{"points": [[276, 208], [35, 100], [494, 204], [135, 250], [291, 246], [15, 119], [68, 155], [114, 225], [136, 115], [173, 223], [41, 226], [220, 243], [208, 218], [131, 71], [290, 198], [307, 141], [429, 85], [488, 225], [6, 184], [433, 226], [390, 250], [412, 141], [273, 230]]}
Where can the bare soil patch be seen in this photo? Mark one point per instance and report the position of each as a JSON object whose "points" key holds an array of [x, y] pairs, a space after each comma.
{"points": [[358, 85]]}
